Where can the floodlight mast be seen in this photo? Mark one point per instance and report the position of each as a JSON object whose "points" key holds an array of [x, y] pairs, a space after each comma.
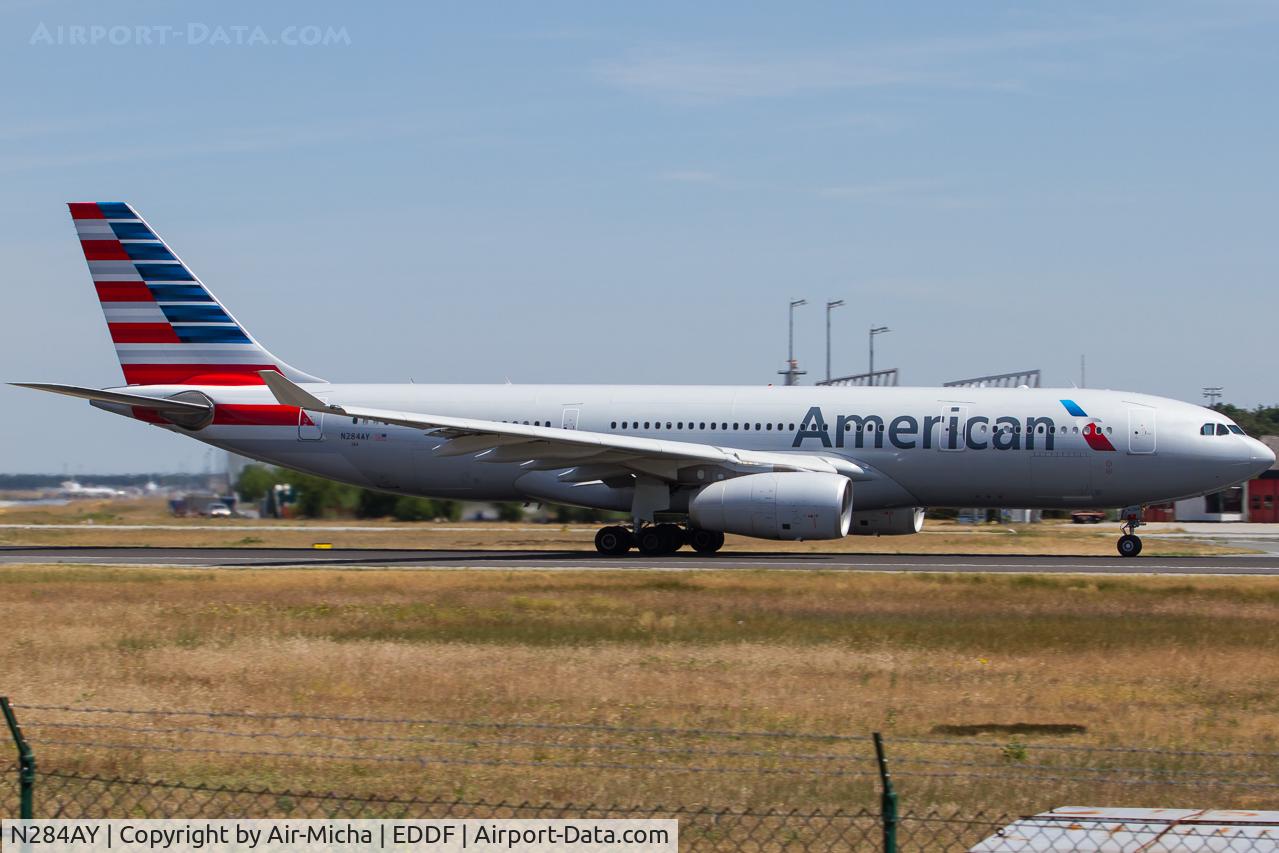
{"points": [[834, 303], [792, 371], [875, 330]]}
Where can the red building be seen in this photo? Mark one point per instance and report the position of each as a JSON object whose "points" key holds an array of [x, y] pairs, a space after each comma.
{"points": [[1263, 492]]}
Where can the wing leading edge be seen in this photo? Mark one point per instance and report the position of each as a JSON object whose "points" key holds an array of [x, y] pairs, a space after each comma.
{"points": [[593, 455]]}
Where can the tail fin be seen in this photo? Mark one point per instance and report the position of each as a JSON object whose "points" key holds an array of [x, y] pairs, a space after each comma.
{"points": [[167, 327]]}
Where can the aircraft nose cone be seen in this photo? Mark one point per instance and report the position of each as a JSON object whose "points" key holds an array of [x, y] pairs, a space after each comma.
{"points": [[1263, 456]]}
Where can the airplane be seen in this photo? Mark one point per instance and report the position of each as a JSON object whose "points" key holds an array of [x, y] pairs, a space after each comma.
{"points": [[74, 489], [687, 464]]}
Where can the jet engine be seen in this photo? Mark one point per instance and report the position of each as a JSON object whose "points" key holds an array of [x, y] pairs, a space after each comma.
{"points": [[898, 521], [792, 505]]}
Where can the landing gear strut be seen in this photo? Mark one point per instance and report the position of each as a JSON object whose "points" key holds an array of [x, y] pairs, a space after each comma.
{"points": [[1129, 545]]}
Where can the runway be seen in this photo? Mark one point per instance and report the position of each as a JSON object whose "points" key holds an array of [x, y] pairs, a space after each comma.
{"points": [[392, 558]]}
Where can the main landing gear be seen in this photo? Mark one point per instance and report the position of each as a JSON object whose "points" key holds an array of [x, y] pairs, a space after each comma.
{"points": [[1129, 544], [655, 540]]}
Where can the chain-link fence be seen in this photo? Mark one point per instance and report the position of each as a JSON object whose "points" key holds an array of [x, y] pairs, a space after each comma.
{"points": [[957, 795]]}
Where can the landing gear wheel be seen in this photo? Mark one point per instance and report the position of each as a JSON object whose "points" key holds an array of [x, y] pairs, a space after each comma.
{"points": [[675, 537], [652, 542], [705, 541], [1129, 545], [613, 541]]}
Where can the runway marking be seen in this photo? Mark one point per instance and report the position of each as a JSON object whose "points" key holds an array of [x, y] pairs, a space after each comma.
{"points": [[522, 560]]}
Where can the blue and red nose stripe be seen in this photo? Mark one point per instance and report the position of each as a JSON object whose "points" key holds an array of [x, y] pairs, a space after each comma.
{"points": [[1092, 432]]}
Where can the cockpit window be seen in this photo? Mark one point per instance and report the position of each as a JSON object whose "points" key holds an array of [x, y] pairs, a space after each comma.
{"points": [[1206, 429], [1237, 430], [1221, 430]]}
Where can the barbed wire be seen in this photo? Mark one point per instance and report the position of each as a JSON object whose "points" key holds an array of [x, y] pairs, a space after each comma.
{"points": [[468, 762], [342, 718], [1064, 768], [427, 739], [1074, 747], [1095, 780], [684, 768], [639, 750], [665, 730], [482, 802]]}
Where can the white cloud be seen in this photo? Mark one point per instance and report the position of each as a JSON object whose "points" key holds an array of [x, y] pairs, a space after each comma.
{"points": [[1004, 60], [689, 176]]}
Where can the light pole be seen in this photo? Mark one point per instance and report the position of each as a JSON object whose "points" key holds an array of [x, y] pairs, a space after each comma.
{"points": [[874, 330], [834, 303], [792, 371], [1212, 394]]}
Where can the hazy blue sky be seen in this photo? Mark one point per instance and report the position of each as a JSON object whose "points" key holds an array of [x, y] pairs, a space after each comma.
{"points": [[587, 192]]}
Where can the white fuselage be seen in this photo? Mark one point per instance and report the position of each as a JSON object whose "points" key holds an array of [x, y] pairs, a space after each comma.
{"points": [[969, 447]]}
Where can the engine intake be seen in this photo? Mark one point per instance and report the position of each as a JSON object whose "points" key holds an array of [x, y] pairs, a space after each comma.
{"points": [[793, 505]]}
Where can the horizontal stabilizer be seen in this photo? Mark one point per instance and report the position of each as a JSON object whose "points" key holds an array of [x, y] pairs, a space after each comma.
{"points": [[159, 404]]}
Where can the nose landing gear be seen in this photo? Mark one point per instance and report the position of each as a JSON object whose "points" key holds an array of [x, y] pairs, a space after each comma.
{"points": [[1129, 544]]}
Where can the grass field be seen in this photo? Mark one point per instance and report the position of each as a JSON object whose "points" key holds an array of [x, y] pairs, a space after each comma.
{"points": [[1184, 664], [105, 523]]}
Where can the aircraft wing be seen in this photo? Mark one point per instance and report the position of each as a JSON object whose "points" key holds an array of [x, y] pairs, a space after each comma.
{"points": [[594, 455], [159, 404]]}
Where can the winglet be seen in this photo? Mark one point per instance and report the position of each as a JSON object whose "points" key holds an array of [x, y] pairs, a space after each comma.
{"points": [[290, 394]]}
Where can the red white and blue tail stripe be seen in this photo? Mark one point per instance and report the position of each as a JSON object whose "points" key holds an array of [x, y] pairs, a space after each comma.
{"points": [[167, 327]]}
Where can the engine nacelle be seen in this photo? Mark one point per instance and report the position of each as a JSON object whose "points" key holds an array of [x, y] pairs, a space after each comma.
{"points": [[898, 521], [793, 505]]}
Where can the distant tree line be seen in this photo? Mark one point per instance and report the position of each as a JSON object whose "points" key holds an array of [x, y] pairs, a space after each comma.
{"points": [[1263, 420], [49, 481], [317, 497]]}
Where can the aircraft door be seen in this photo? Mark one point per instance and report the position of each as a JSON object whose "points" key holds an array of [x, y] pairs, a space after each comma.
{"points": [[310, 425], [571, 414], [1141, 429]]}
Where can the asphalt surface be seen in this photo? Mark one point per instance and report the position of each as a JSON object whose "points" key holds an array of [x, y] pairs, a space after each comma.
{"points": [[392, 558]]}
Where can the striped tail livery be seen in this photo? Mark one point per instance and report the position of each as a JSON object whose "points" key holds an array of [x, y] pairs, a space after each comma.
{"points": [[167, 327]]}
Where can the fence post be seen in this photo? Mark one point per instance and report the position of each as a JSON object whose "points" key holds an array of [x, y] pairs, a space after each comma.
{"points": [[26, 761], [887, 799]]}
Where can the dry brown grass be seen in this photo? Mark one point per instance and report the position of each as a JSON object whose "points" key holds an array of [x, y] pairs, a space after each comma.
{"points": [[1170, 663], [104, 523]]}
